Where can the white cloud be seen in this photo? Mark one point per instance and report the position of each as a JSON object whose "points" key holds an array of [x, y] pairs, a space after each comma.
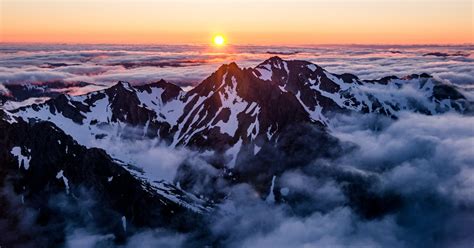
{"points": [[187, 65]]}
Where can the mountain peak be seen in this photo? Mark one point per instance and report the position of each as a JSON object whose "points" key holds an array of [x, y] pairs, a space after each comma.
{"points": [[266, 70], [162, 84], [168, 90], [231, 67], [223, 76], [123, 85], [273, 59], [278, 70], [273, 62]]}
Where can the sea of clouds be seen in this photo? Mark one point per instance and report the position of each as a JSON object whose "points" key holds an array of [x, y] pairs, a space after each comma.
{"points": [[187, 65]]}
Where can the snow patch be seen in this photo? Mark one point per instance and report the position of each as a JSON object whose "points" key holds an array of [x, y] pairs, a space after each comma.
{"points": [[234, 151], [271, 197], [312, 67], [22, 159], [265, 72], [124, 223], [60, 175], [256, 149], [126, 85]]}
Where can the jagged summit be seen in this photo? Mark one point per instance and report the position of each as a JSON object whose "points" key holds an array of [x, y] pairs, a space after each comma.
{"points": [[121, 86], [158, 84], [169, 91]]}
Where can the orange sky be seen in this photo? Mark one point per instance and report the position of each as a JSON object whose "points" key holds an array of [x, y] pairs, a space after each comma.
{"points": [[242, 22]]}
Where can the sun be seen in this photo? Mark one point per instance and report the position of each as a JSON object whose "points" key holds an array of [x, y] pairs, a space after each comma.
{"points": [[219, 40]]}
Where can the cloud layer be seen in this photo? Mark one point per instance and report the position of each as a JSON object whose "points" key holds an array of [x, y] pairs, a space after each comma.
{"points": [[188, 65]]}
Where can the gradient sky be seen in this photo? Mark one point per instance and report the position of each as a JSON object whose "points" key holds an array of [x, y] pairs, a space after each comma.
{"points": [[242, 22]]}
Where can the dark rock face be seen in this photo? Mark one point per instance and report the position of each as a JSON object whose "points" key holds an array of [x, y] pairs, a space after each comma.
{"points": [[72, 110], [291, 152], [59, 168], [125, 105], [441, 92], [348, 78]]}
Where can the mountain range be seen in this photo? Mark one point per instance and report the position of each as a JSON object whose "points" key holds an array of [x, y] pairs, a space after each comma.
{"points": [[250, 124]]}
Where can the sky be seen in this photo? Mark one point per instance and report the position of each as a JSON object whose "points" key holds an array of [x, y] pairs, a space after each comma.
{"points": [[265, 22]]}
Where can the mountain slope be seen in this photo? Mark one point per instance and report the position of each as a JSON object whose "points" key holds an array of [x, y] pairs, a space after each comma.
{"points": [[44, 165]]}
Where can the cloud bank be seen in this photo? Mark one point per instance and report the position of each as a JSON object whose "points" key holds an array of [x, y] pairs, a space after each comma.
{"points": [[189, 65]]}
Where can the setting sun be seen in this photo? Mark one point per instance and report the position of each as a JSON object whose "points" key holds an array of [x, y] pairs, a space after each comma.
{"points": [[219, 40]]}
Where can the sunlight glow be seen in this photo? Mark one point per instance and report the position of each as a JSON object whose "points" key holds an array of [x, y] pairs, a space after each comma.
{"points": [[219, 40]]}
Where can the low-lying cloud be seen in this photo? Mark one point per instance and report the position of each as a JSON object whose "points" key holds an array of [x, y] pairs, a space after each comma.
{"points": [[189, 65]]}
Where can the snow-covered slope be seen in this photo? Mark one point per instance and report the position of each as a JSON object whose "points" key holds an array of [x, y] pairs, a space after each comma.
{"points": [[104, 113], [42, 153]]}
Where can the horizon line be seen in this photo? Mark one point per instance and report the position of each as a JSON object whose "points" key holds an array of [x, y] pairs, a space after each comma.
{"points": [[235, 45]]}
